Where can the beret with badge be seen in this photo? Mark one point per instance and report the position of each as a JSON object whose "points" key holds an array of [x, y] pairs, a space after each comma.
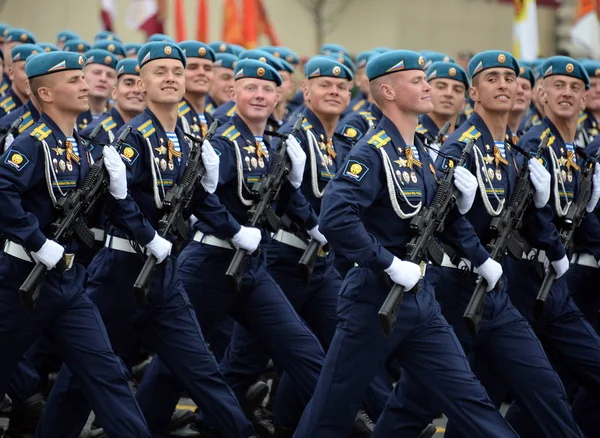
{"points": [[65, 35], [325, 66], [343, 59], [106, 35], [77, 46], [394, 61], [431, 57], [225, 60], [262, 56], [128, 66], [112, 46], [161, 38], [160, 50], [492, 59], [527, 73], [48, 47], [132, 48], [283, 53], [103, 57], [447, 70], [47, 63], [251, 68], [16, 35], [23, 51], [222, 47], [565, 66], [3, 31], [591, 67], [196, 49], [334, 49], [277, 53], [363, 58]]}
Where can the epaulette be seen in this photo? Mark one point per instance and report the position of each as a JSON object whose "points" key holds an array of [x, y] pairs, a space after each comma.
{"points": [[421, 129], [471, 133], [582, 117], [535, 120], [367, 115], [3, 88], [358, 105], [41, 132], [380, 139], [305, 125], [468, 110], [232, 111], [183, 108], [26, 122], [210, 109], [8, 104], [147, 129], [231, 133], [108, 124], [545, 133]]}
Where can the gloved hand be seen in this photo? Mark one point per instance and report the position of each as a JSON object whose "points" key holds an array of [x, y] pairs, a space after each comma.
{"points": [[491, 270], [540, 178], [159, 248], [466, 183], [247, 238], [116, 172], [49, 254], [192, 221], [561, 266], [210, 159], [405, 274], [298, 159], [591, 205], [316, 234]]}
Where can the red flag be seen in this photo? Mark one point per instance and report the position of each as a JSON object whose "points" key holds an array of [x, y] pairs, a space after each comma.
{"points": [[107, 14], [146, 15], [202, 28], [232, 29], [180, 27], [250, 23]]}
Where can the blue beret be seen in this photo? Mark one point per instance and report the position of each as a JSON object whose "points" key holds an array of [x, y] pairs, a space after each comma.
{"points": [[380, 49], [112, 46], [107, 35], [103, 57], [287, 55], [78, 46], [363, 58], [3, 30], [251, 68], [431, 57], [343, 59], [492, 59], [565, 66], [196, 49], [237, 49], [448, 70], [48, 47], [222, 47], [20, 36], [394, 61], [334, 49], [161, 38], [262, 56], [225, 60], [592, 68], [53, 62], [526, 72], [65, 35], [132, 48], [22, 51], [160, 50], [324, 66], [128, 66]]}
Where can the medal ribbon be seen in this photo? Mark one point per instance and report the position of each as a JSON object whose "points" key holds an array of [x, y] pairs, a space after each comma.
{"points": [[329, 146], [410, 158], [260, 152], [571, 161], [498, 158], [172, 152], [71, 155]]}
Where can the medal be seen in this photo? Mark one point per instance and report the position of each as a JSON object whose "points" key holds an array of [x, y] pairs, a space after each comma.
{"points": [[247, 160], [62, 165], [261, 162], [55, 164], [570, 176], [69, 166], [254, 162], [171, 165], [399, 176], [405, 176], [163, 164], [498, 174], [413, 177], [563, 175], [490, 174]]}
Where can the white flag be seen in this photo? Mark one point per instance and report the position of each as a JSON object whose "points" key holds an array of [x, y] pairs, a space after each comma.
{"points": [[525, 30], [585, 32]]}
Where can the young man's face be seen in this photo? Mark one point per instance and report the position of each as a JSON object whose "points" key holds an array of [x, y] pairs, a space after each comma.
{"points": [[163, 81], [66, 91], [327, 95], [222, 85], [412, 92], [255, 99], [102, 79], [19, 77], [593, 94], [128, 96], [199, 75], [448, 96], [564, 97], [524, 94], [495, 89]]}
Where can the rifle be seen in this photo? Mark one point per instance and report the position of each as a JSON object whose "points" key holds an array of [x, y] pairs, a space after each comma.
{"points": [[264, 192], [575, 215], [71, 210], [503, 229], [176, 201], [424, 226], [12, 129]]}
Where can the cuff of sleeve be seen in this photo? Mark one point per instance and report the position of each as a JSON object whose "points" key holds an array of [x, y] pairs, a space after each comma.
{"points": [[384, 260], [478, 256], [556, 252], [232, 229], [312, 222], [36, 241]]}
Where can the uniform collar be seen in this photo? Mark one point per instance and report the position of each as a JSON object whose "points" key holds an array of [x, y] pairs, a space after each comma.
{"points": [[241, 126], [392, 131], [14, 96], [486, 136], [554, 131], [374, 109], [116, 116], [56, 131], [312, 119], [429, 124], [29, 106]]}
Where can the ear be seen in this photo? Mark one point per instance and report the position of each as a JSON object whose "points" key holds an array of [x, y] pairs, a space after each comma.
{"points": [[304, 87], [584, 100], [141, 86], [387, 91], [232, 93], [113, 93], [474, 94], [11, 73], [542, 96], [45, 94]]}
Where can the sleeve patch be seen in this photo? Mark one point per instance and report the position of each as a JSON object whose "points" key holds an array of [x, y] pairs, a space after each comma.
{"points": [[129, 154], [16, 160], [355, 170], [352, 132]]}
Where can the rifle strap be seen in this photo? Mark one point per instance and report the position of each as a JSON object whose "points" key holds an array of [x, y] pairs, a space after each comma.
{"points": [[313, 145], [560, 211], [156, 176], [479, 167], [50, 173], [240, 174], [392, 181]]}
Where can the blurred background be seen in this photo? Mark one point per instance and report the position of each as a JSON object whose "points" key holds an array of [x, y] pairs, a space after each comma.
{"points": [[529, 28]]}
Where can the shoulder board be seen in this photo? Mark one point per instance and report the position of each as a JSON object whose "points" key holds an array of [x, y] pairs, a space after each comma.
{"points": [[8, 104], [108, 124], [183, 108], [380, 139], [545, 133], [147, 129], [231, 133], [305, 125], [582, 118], [471, 133], [3, 88], [367, 115], [41, 132], [535, 120], [421, 129], [26, 122], [468, 109], [358, 105], [232, 111], [210, 108]]}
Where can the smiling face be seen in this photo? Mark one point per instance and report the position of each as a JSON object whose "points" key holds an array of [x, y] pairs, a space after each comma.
{"points": [[448, 96], [563, 96], [495, 89], [255, 98], [127, 95], [328, 96], [102, 79], [199, 75], [65, 91], [593, 95], [222, 85], [19, 77], [163, 81], [524, 95]]}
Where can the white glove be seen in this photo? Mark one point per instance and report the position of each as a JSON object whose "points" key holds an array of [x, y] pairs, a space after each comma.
{"points": [[540, 178], [49, 254], [466, 183], [316, 234], [298, 159], [159, 248], [406, 274], [491, 270], [247, 238], [192, 221], [561, 266], [210, 159], [591, 205], [116, 172]]}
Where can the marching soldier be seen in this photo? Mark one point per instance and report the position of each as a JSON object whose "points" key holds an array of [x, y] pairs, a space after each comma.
{"points": [[112, 46], [77, 46], [65, 35], [589, 119], [16, 95], [526, 83], [220, 90]]}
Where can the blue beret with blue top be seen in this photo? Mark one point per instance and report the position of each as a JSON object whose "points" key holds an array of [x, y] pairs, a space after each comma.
{"points": [[160, 50], [23, 51], [394, 61], [128, 66], [492, 59], [324, 66], [251, 68], [447, 70], [565, 66], [196, 49], [47, 63], [103, 57]]}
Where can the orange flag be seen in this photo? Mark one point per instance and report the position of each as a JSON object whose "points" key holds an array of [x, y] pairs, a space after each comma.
{"points": [[202, 26], [250, 23], [232, 29], [180, 28]]}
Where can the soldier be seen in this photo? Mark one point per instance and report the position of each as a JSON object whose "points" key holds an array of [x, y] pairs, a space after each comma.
{"points": [[65, 35], [589, 119], [48, 47], [155, 156], [220, 90], [77, 46], [101, 75], [14, 37], [365, 218], [132, 49], [45, 163], [526, 83], [360, 101], [536, 110], [114, 47], [17, 93]]}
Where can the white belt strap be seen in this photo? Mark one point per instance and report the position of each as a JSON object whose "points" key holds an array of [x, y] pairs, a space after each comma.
{"points": [[463, 265], [541, 256], [17, 251], [584, 259], [120, 244], [99, 234], [211, 240], [290, 239]]}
